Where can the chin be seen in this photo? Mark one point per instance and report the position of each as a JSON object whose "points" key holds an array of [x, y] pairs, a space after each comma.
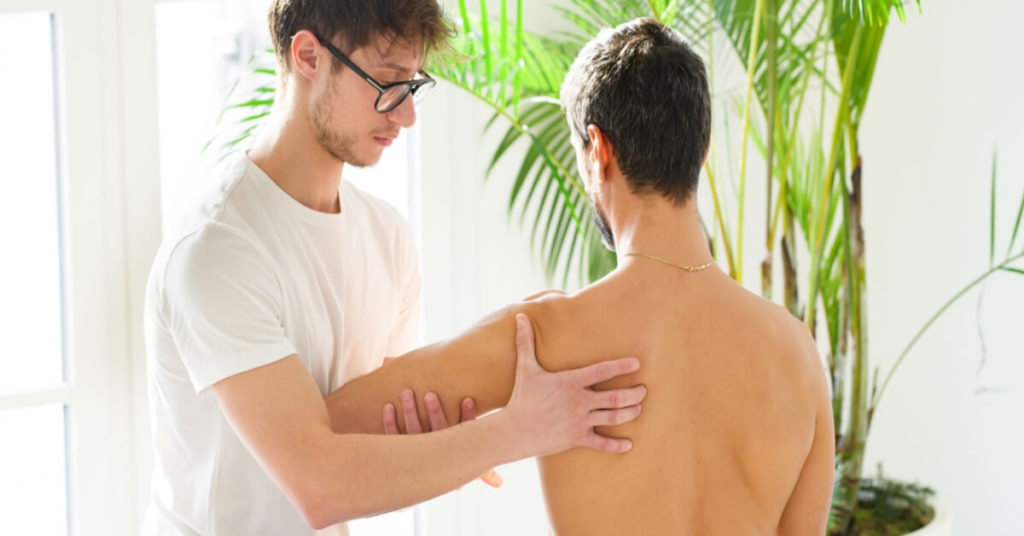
{"points": [[370, 158]]}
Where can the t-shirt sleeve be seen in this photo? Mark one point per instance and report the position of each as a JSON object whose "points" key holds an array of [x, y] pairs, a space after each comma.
{"points": [[223, 305], [405, 335]]}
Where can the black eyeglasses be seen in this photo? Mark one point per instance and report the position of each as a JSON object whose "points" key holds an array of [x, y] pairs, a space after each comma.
{"points": [[390, 95]]}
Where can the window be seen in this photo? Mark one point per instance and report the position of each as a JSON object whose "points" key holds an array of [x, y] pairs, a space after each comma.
{"points": [[33, 393], [72, 245]]}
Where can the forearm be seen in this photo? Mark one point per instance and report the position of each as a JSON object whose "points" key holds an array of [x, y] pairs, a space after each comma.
{"points": [[359, 475]]}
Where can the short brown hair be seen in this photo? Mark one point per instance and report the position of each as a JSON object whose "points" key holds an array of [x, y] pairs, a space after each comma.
{"points": [[357, 23], [647, 90]]}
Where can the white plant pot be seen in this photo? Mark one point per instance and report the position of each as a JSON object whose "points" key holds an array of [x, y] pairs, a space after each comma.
{"points": [[941, 525]]}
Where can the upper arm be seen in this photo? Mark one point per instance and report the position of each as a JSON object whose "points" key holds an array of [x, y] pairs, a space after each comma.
{"points": [[807, 509], [479, 363], [222, 303], [405, 332]]}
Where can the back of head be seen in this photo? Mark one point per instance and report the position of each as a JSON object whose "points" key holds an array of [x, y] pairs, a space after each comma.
{"points": [[647, 91], [357, 23]]}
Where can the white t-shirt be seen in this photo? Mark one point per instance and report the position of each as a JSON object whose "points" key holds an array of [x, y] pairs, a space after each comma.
{"points": [[254, 277]]}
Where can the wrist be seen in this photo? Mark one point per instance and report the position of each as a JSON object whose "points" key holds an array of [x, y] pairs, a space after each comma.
{"points": [[506, 438]]}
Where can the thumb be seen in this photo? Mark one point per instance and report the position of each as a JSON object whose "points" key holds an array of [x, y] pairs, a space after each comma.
{"points": [[526, 357]]}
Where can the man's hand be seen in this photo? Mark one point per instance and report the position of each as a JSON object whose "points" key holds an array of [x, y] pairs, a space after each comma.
{"points": [[558, 411], [438, 421]]}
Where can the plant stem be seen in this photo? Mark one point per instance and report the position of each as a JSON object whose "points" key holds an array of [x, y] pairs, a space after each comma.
{"points": [[751, 64], [851, 456], [829, 178], [772, 108], [791, 137], [486, 36], [721, 221], [792, 294]]}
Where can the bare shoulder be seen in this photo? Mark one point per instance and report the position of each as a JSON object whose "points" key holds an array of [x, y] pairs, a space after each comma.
{"points": [[539, 308], [787, 339], [549, 312], [545, 294], [796, 341]]}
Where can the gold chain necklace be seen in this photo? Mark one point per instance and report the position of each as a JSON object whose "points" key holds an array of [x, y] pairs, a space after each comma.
{"points": [[684, 267]]}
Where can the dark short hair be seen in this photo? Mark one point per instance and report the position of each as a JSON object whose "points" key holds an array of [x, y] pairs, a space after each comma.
{"points": [[357, 23], [647, 91]]}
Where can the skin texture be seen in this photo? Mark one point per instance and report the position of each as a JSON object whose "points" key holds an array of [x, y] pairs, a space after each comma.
{"points": [[322, 120], [736, 434]]}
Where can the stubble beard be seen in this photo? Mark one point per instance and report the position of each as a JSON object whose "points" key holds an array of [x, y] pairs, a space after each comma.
{"points": [[338, 145], [602, 226]]}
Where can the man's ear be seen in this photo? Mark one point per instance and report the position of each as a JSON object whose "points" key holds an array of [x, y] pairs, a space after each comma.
{"points": [[306, 54], [600, 148]]}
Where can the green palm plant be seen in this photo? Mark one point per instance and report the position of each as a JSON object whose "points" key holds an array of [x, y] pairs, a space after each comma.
{"points": [[803, 60]]}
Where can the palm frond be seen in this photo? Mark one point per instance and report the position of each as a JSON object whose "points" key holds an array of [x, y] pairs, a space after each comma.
{"points": [[1016, 226], [247, 103], [992, 217], [874, 12], [523, 96]]}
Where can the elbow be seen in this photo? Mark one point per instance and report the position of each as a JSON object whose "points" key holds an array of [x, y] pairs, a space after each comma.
{"points": [[326, 497], [322, 505], [314, 509], [320, 511]]}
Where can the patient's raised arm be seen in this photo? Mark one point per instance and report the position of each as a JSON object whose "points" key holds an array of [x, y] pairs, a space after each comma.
{"points": [[479, 363]]}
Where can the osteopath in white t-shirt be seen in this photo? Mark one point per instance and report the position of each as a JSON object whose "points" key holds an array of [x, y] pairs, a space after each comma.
{"points": [[253, 277]]}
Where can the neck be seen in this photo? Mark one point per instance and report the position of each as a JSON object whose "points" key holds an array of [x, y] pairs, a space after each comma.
{"points": [[655, 226], [289, 153]]}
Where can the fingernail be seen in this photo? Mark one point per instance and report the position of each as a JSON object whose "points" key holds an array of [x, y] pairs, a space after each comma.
{"points": [[629, 446], [389, 408], [406, 395], [431, 397], [644, 388]]}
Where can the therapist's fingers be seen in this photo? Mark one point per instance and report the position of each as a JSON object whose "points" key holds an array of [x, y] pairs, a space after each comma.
{"points": [[390, 420], [435, 412], [492, 479], [412, 417], [468, 412]]}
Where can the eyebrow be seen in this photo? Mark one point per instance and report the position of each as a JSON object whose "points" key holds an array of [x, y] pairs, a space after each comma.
{"points": [[400, 68]]}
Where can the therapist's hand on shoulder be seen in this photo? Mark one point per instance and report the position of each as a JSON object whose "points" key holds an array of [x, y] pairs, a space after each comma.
{"points": [[556, 411], [551, 412]]}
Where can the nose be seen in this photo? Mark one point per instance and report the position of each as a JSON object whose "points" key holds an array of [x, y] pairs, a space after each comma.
{"points": [[404, 115]]}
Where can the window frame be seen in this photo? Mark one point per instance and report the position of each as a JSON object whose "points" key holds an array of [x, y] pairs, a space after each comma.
{"points": [[105, 105]]}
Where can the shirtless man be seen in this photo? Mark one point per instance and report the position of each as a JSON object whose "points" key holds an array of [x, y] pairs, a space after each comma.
{"points": [[736, 433]]}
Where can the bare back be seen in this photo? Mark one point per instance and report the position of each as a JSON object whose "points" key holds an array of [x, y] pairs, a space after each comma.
{"points": [[736, 402]]}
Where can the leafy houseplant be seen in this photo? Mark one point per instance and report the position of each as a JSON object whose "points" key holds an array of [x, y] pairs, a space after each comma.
{"points": [[808, 68]]}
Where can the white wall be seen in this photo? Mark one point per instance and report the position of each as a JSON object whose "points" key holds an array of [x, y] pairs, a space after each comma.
{"points": [[947, 90]]}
